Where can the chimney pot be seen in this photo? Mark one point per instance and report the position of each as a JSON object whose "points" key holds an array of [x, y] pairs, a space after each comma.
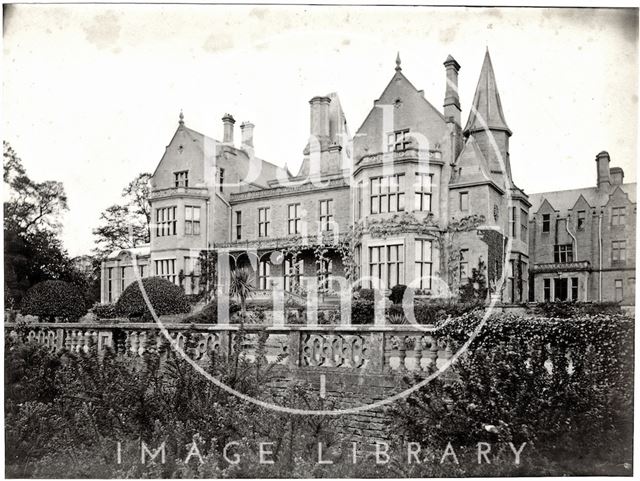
{"points": [[227, 125]]}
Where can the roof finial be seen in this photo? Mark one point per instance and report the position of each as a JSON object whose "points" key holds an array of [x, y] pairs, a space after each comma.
{"points": [[398, 67], [181, 117]]}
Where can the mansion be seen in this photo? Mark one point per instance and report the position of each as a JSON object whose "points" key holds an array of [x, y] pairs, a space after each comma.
{"points": [[412, 198]]}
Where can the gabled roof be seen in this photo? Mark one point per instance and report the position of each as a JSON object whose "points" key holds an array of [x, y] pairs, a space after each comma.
{"points": [[486, 111], [564, 200], [268, 171], [471, 165]]}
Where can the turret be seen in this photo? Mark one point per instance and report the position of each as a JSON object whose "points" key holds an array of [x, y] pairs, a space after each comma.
{"points": [[486, 120]]}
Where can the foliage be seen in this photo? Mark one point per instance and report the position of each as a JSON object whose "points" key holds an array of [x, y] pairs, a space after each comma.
{"points": [[33, 251], [32, 206], [577, 408], [66, 412], [366, 294], [208, 262], [122, 226], [476, 287], [362, 311], [164, 296], [137, 194], [118, 229], [104, 311], [397, 293], [570, 309], [241, 287], [54, 299]]}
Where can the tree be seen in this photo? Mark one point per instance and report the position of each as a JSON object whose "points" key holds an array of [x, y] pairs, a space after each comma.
{"points": [[33, 251], [31, 206], [137, 194], [241, 287], [118, 229], [126, 225], [475, 290]]}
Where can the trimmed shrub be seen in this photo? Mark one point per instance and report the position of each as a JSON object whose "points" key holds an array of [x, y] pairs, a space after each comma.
{"points": [[104, 311], [397, 293], [54, 299], [366, 294], [362, 311], [164, 296]]}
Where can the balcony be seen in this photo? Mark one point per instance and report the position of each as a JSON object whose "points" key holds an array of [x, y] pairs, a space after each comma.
{"points": [[326, 238], [411, 153], [201, 192], [572, 266], [291, 189]]}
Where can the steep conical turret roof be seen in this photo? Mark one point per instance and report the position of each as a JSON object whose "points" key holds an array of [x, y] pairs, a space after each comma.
{"points": [[487, 108]]}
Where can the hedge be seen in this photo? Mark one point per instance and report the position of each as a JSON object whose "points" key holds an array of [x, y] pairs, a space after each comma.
{"points": [[164, 296], [567, 309], [54, 299], [104, 311], [563, 386]]}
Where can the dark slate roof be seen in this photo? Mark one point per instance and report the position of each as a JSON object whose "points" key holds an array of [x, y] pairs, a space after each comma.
{"points": [[487, 108], [564, 200]]}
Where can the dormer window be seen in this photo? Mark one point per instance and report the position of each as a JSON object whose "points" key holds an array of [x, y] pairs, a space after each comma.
{"points": [[181, 179], [398, 140]]}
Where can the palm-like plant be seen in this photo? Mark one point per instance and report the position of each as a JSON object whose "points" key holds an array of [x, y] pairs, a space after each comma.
{"points": [[241, 287]]}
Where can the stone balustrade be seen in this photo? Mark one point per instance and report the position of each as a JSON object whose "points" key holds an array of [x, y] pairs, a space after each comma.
{"points": [[365, 349]]}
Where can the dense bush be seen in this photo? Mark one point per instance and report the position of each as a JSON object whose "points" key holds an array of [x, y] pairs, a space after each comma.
{"points": [[567, 309], [104, 311], [578, 408], [366, 294], [54, 299], [362, 311], [164, 296], [65, 414], [397, 293]]}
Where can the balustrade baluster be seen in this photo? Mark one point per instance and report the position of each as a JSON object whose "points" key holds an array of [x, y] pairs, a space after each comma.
{"points": [[293, 349], [87, 338], [417, 352], [432, 355], [402, 351], [74, 340], [134, 343]]}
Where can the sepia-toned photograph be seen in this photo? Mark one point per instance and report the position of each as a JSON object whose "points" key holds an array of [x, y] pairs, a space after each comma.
{"points": [[318, 241]]}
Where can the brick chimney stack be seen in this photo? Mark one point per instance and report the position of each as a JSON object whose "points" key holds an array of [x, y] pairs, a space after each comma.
{"points": [[602, 163], [246, 130], [320, 118], [227, 124], [451, 97], [617, 175]]}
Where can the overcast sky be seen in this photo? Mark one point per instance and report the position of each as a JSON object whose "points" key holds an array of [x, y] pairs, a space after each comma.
{"points": [[92, 93]]}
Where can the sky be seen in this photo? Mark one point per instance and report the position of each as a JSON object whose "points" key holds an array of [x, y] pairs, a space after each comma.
{"points": [[92, 93]]}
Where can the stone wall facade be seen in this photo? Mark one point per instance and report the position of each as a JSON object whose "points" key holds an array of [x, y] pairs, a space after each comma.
{"points": [[596, 230]]}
